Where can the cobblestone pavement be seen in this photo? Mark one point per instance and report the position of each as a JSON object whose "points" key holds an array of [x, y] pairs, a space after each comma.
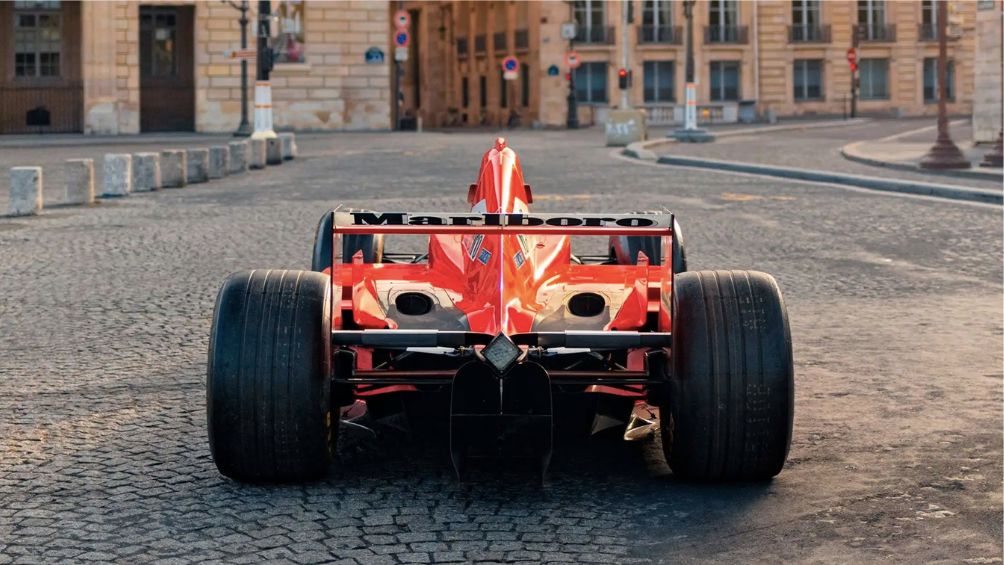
{"points": [[819, 149], [105, 314]]}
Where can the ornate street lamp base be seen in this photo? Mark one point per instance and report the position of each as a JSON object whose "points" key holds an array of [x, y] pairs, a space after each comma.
{"points": [[684, 135], [945, 155], [243, 130], [995, 158]]}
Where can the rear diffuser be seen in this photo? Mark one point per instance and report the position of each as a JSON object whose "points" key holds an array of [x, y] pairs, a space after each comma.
{"points": [[507, 416]]}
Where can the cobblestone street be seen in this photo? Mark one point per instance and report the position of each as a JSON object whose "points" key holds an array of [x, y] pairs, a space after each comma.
{"points": [[895, 305]]}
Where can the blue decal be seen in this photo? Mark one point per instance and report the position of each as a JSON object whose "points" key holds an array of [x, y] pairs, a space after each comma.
{"points": [[472, 251], [518, 258], [484, 256]]}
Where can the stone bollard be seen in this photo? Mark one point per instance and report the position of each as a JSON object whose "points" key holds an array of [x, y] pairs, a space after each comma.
{"points": [[239, 156], [173, 168], [219, 161], [288, 141], [25, 191], [118, 175], [198, 165], [79, 181], [145, 172], [257, 158], [273, 151]]}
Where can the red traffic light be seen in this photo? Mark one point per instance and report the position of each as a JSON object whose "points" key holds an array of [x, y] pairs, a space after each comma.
{"points": [[623, 78], [622, 73]]}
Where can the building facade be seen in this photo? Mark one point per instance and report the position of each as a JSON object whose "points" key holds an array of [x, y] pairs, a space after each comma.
{"points": [[771, 57], [116, 67]]}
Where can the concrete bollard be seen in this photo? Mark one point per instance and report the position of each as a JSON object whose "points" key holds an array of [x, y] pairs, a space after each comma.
{"points": [[25, 191], [219, 161], [239, 153], [173, 168], [288, 141], [79, 181], [257, 158], [118, 175], [145, 172], [273, 151], [198, 165]]}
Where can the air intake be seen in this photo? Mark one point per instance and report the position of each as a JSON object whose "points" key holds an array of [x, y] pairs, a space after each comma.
{"points": [[413, 303], [586, 304]]}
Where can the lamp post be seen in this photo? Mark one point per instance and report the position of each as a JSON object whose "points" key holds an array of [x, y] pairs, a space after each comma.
{"points": [[690, 132], [244, 129], [572, 122], [262, 87], [944, 154]]}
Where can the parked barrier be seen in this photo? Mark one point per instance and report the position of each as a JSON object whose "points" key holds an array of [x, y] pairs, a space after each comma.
{"points": [[117, 175], [173, 168], [79, 181], [219, 161], [145, 172], [25, 191]]}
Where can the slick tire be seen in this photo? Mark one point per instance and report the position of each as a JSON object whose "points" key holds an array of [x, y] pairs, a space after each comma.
{"points": [[370, 244], [625, 249], [268, 388], [731, 390]]}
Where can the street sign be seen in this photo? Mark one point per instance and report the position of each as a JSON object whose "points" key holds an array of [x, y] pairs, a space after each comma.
{"points": [[572, 60], [568, 30], [401, 38], [374, 56], [553, 71], [400, 54], [852, 57], [240, 53], [510, 68], [402, 19]]}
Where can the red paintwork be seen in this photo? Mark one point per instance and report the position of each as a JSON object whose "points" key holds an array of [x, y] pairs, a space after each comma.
{"points": [[500, 295]]}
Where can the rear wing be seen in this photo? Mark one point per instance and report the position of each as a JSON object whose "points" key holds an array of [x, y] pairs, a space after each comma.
{"points": [[353, 222]]}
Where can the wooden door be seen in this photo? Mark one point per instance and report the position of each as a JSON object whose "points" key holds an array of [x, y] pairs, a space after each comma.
{"points": [[167, 73]]}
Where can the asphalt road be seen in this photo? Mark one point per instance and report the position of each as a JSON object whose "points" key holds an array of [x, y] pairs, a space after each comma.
{"points": [[895, 304]]}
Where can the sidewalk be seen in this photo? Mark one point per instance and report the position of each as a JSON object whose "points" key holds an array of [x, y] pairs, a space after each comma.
{"points": [[904, 151]]}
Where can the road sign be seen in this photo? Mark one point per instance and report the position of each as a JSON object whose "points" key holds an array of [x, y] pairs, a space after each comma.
{"points": [[572, 60], [400, 54], [402, 19], [510, 68], [568, 30], [553, 71], [401, 38], [852, 57], [374, 56], [240, 53]]}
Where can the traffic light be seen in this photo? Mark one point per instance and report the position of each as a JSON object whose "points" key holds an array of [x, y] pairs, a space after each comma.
{"points": [[623, 78]]}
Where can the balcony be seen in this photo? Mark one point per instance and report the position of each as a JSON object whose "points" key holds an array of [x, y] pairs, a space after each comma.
{"points": [[876, 33], [808, 34], [480, 44], [597, 35], [462, 48], [726, 34], [499, 40], [671, 35], [522, 39]]}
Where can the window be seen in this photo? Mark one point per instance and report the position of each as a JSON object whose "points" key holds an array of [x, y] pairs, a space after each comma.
{"points": [[724, 80], [524, 83], [657, 13], [289, 41], [38, 39], [874, 74], [805, 13], [157, 29], [659, 81], [465, 93], [591, 82], [588, 13], [929, 13], [931, 80], [483, 91], [723, 13], [808, 79]]}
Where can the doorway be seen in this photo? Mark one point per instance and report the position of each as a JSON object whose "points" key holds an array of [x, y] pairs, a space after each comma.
{"points": [[166, 66]]}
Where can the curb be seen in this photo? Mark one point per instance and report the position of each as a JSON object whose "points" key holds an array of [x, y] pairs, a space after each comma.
{"points": [[873, 183], [646, 145], [851, 153]]}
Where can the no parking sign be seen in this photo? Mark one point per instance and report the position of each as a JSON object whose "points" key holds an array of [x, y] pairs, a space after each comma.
{"points": [[510, 68]]}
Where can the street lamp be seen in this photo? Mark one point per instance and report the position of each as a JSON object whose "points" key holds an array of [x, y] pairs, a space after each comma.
{"points": [[263, 88], [244, 129], [944, 154], [690, 132], [572, 122]]}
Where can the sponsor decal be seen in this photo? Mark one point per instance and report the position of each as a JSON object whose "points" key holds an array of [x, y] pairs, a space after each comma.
{"points": [[484, 256], [549, 220], [523, 244], [472, 251], [518, 259]]}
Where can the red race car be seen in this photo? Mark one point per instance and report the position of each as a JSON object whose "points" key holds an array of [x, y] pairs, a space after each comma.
{"points": [[498, 330]]}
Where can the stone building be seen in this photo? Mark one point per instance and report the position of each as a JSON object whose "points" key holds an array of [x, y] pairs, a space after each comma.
{"points": [[116, 67], [772, 57]]}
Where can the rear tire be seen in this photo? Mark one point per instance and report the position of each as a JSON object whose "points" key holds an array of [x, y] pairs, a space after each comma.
{"points": [[268, 387], [731, 391]]}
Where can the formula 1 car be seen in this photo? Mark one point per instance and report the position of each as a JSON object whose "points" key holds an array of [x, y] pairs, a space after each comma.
{"points": [[504, 333]]}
